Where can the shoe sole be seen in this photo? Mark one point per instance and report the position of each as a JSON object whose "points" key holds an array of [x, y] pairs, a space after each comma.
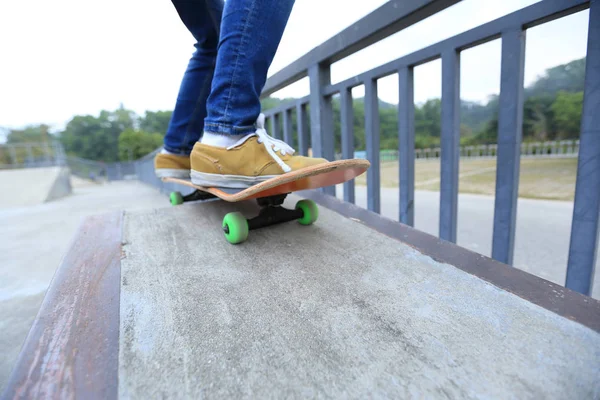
{"points": [[227, 181], [173, 173]]}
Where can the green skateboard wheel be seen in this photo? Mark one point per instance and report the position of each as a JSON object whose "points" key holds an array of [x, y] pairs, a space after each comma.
{"points": [[176, 198], [310, 210], [235, 227]]}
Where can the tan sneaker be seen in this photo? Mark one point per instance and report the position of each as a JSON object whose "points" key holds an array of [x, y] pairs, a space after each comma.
{"points": [[172, 166], [253, 159]]}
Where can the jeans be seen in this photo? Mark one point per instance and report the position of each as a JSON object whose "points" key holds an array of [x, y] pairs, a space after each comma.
{"points": [[235, 45]]}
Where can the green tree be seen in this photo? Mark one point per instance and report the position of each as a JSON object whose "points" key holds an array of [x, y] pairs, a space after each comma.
{"points": [[567, 109], [155, 121], [96, 138], [32, 133], [134, 144]]}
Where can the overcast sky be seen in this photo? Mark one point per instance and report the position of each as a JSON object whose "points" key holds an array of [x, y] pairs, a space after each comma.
{"points": [[62, 58]]}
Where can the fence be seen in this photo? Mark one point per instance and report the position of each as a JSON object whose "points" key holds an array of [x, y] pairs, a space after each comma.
{"points": [[563, 148], [50, 154], [314, 115], [31, 155]]}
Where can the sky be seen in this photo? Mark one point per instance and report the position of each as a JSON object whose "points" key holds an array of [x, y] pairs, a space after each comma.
{"points": [[63, 58]]}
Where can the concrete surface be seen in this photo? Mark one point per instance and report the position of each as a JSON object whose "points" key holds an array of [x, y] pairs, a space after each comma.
{"points": [[34, 240], [330, 310], [541, 240], [30, 186]]}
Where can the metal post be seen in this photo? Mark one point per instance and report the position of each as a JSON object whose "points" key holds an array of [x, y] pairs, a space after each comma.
{"points": [[347, 123], [301, 120], [372, 143], [586, 209], [510, 121], [406, 145], [450, 138], [30, 155], [276, 127], [287, 127], [321, 116]]}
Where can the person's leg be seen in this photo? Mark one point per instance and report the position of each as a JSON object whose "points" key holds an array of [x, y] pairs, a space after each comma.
{"points": [[203, 19], [235, 150], [251, 31]]}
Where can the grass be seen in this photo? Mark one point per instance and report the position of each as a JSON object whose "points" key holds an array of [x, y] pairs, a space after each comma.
{"points": [[540, 178]]}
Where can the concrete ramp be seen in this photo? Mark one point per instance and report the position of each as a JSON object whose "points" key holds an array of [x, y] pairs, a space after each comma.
{"points": [[356, 307], [30, 186]]}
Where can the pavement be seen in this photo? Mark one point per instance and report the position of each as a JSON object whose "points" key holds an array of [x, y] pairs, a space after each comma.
{"points": [[329, 310], [541, 239], [30, 186], [39, 236]]}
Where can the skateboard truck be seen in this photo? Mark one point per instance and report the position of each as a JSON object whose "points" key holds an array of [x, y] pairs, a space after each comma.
{"points": [[236, 227]]}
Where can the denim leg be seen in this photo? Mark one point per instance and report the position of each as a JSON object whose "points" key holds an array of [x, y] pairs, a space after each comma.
{"points": [[251, 31], [202, 18]]}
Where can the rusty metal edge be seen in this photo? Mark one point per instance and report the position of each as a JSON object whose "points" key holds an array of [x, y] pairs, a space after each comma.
{"points": [[72, 348], [558, 299]]}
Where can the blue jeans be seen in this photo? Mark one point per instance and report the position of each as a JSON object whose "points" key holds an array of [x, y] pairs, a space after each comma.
{"points": [[235, 45]]}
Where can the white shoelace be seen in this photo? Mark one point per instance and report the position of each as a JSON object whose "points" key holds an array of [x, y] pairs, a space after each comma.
{"points": [[271, 144]]}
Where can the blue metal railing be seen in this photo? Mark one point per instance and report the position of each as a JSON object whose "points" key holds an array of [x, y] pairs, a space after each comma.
{"points": [[316, 126]]}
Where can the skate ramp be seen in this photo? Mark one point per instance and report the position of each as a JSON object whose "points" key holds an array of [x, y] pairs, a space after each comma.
{"points": [[160, 305], [30, 186]]}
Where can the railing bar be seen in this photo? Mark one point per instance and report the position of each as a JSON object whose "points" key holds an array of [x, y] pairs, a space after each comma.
{"points": [[321, 117], [347, 126], [372, 143], [272, 124], [510, 121], [583, 248], [546, 10], [287, 127], [406, 145], [450, 141], [302, 123], [276, 127]]}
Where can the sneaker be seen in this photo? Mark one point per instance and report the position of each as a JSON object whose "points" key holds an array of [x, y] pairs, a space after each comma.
{"points": [[172, 166], [254, 158]]}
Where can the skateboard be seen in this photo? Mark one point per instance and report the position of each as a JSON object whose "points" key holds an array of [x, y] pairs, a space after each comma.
{"points": [[270, 195]]}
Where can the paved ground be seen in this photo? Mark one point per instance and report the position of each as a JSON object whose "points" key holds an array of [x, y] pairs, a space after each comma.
{"points": [[542, 237], [30, 186], [38, 237], [293, 314]]}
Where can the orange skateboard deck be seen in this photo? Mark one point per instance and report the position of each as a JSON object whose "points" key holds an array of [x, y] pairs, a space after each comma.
{"points": [[270, 195]]}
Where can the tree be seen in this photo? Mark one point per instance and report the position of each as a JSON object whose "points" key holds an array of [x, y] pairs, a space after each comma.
{"points": [[96, 138], [156, 121], [567, 109], [134, 144], [30, 134]]}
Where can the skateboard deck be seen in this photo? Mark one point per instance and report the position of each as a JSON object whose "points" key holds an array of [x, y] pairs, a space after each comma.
{"points": [[270, 195], [314, 177]]}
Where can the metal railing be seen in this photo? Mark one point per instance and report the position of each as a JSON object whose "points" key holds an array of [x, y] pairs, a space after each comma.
{"points": [[52, 153], [549, 149], [314, 116], [31, 155]]}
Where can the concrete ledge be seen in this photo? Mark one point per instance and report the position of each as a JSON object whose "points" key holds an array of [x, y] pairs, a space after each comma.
{"points": [[332, 310], [337, 309]]}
